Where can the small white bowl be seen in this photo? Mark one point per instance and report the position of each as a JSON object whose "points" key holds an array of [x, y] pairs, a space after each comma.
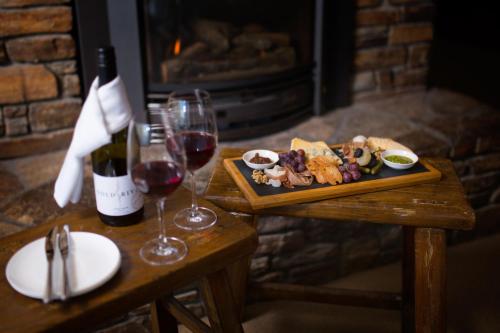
{"points": [[400, 152], [264, 153]]}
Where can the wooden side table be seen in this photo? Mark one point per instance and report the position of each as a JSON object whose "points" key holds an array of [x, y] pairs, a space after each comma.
{"points": [[425, 212], [216, 258]]}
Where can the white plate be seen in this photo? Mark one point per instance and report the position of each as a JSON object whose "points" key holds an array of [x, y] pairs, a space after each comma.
{"points": [[399, 166], [93, 260]]}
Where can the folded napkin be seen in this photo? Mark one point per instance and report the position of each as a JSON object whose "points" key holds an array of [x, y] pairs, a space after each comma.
{"points": [[106, 111]]}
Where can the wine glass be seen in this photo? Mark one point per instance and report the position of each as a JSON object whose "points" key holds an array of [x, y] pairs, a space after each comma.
{"points": [[156, 162], [194, 120]]}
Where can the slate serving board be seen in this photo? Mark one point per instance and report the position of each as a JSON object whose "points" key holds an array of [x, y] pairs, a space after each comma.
{"points": [[265, 196]]}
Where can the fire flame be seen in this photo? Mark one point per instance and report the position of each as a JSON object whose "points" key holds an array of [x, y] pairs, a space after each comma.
{"points": [[177, 47]]}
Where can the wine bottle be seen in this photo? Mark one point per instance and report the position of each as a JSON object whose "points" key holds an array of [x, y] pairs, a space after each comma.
{"points": [[117, 200]]}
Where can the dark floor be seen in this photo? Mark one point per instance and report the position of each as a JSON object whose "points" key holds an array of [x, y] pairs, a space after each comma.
{"points": [[473, 299]]}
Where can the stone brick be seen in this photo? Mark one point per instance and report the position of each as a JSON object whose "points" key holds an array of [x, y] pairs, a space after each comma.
{"points": [[71, 85], [495, 197], [10, 184], [277, 224], [3, 54], [474, 183], [259, 265], [418, 13], [22, 3], [311, 253], [412, 77], [45, 116], [273, 244], [384, 79], [363, 81], [424, 142], [19, 83], [359, 254], [11, 85], [13, 111], [419, 55], [35, 144], [403, 2], [62, 67], [9, 229], [487, 143], [368, 3], [371, 36], [41, 48], [16, 126], [35, 20], [410, 33], [269, 277], [461, 168], [485, 163], [376, 17], [380, 57]]}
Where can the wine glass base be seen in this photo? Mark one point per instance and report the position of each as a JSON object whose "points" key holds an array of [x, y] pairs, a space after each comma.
{"points": [[155, 253], [203, 219]]}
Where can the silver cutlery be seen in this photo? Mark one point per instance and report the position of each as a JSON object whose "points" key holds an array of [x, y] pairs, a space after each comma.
{"points": [[64, 249], [50, 240]]}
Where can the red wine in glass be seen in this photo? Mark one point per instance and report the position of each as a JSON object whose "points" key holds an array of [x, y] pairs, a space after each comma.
{"points": [[199, 147], [157, 178]]}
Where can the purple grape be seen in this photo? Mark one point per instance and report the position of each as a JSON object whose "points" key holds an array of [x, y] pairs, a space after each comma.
{"points": [[293, 153], [301, 152], [301, 159], [355, 174], [353, 167], [341, 168], [346, 177], [301, 168], [282, 155]]}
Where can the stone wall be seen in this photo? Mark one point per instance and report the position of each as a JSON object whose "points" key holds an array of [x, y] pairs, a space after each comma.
{"points": [[39, 85], [392, 44]]}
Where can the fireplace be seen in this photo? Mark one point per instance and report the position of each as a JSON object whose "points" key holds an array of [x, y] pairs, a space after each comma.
{"points": [[255, 57]]}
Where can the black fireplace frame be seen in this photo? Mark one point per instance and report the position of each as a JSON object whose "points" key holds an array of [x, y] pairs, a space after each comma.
{"points": [[104, 22]]}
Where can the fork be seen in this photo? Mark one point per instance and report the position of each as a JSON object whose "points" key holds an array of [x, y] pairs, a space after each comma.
{"points": [[49, 253]]}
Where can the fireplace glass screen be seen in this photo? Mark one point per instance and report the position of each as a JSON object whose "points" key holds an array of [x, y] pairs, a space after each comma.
{"points": [[199, 41]]}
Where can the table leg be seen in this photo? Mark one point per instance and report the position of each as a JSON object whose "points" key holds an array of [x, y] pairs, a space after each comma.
{"points": [[429, 280], [161, 319], [219, 302], [408, 281], [239, 271]]}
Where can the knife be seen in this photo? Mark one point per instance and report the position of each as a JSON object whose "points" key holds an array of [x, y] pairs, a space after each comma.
{"points": [[50, 240], [64, 248]]}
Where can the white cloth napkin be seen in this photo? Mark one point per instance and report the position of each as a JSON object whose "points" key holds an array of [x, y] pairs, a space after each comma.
{"points": [[106, 111]]}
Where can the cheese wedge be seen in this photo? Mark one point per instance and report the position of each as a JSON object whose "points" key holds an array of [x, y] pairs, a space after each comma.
{"points": [[313, 149], [375, 143]]}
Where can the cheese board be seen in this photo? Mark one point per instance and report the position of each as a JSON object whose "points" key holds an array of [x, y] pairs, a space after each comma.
{"points": [[261, 196]]}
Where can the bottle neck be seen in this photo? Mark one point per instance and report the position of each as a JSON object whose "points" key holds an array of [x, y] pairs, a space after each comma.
{"points": [[106, 73]]}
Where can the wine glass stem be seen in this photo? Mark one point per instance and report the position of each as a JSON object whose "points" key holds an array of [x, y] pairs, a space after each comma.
{"points": [[160, 208], [194, 199]]}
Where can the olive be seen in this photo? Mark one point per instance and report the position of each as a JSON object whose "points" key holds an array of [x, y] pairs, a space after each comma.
{"points": [[358, 152]]}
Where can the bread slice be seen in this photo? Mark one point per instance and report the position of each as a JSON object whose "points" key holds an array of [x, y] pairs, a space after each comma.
{"points": [[375, 143], [313, 149]]}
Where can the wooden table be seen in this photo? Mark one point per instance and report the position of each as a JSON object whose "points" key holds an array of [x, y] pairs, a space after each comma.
{"points": [[214, 257], [425, 212]]}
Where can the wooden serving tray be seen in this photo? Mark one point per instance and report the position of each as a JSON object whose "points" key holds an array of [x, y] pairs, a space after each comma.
{"points": [[265, 196]]}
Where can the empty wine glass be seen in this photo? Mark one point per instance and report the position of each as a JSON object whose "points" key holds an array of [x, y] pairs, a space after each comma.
{"points": [[157, 162], [194, 120]]}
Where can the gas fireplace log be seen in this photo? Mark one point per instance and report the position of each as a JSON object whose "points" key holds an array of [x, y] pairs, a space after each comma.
{"points": [[215, 33], [262, 40], [179, 69], [194, 50]]}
